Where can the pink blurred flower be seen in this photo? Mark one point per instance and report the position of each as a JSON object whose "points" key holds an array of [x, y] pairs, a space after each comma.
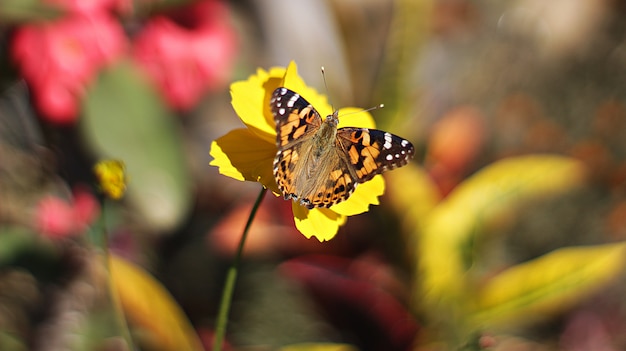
{"points": [[58, 59], [188, 53], [92, 6], [57, 218]]}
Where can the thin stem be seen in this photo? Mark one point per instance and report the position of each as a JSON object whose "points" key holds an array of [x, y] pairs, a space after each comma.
{"points": [[231, 278], [100, 239]]}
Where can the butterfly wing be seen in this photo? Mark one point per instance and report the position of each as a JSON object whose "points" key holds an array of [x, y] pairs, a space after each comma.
{"points": [[295, 118], [370, 151], [338, 185], [296, 121]]}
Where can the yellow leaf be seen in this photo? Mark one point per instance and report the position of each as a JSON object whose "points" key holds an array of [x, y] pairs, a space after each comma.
{"points": [[150, 307], [412, 193], [548, 284], [480, 200], [319, 347]]}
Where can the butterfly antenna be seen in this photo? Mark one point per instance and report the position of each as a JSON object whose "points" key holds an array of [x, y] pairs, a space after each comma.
{"points": [[326, 86], [331, 104], [364, 110], [374, 108]]}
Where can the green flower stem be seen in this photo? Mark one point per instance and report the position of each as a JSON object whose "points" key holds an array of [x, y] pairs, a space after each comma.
{"points": [[100, 240], [231, 277]]}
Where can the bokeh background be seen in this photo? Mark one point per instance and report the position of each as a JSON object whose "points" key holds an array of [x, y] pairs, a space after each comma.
{"points": [[505, 232]]}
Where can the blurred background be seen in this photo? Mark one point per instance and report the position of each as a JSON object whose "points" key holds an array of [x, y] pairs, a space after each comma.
{"points": [[504, 233]]}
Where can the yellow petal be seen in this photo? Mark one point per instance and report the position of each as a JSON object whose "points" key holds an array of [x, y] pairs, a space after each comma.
{"points": [[364, 195], [150, 307], [250, 99], [294, 82], [291, 78], [321, 223], [242, 156], [355, 117], [111, 175], [247, 104]]}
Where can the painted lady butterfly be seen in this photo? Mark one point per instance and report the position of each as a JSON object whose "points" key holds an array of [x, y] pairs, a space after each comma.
{"points": [[319, 165]]}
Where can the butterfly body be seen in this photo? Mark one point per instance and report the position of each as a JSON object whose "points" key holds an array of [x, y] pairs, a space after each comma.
{"points": [[324, 138], [319, 165]]}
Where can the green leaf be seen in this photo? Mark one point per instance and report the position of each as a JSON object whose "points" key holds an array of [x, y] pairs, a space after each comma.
{"points": [[11, 342], [16, 242], [18, 11], [13, 241], [486, 197], [126, 119], [548, 284]]}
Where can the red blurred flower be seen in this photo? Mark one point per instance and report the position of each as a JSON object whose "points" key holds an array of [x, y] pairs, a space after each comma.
{"points": [[454, 144], [189, 53], [57, 218], [359, 296], [58, 59]]}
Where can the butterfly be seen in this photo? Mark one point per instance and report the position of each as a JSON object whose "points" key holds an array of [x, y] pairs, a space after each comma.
{"points": [[319, 165]]}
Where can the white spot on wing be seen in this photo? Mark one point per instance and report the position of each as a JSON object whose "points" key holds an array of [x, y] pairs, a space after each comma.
{"points": [[387, 144], [292, 101]]}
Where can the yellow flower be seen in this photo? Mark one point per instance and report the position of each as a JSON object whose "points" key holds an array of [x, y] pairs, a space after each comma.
{"points": [[248, 153], [111, 175]]}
